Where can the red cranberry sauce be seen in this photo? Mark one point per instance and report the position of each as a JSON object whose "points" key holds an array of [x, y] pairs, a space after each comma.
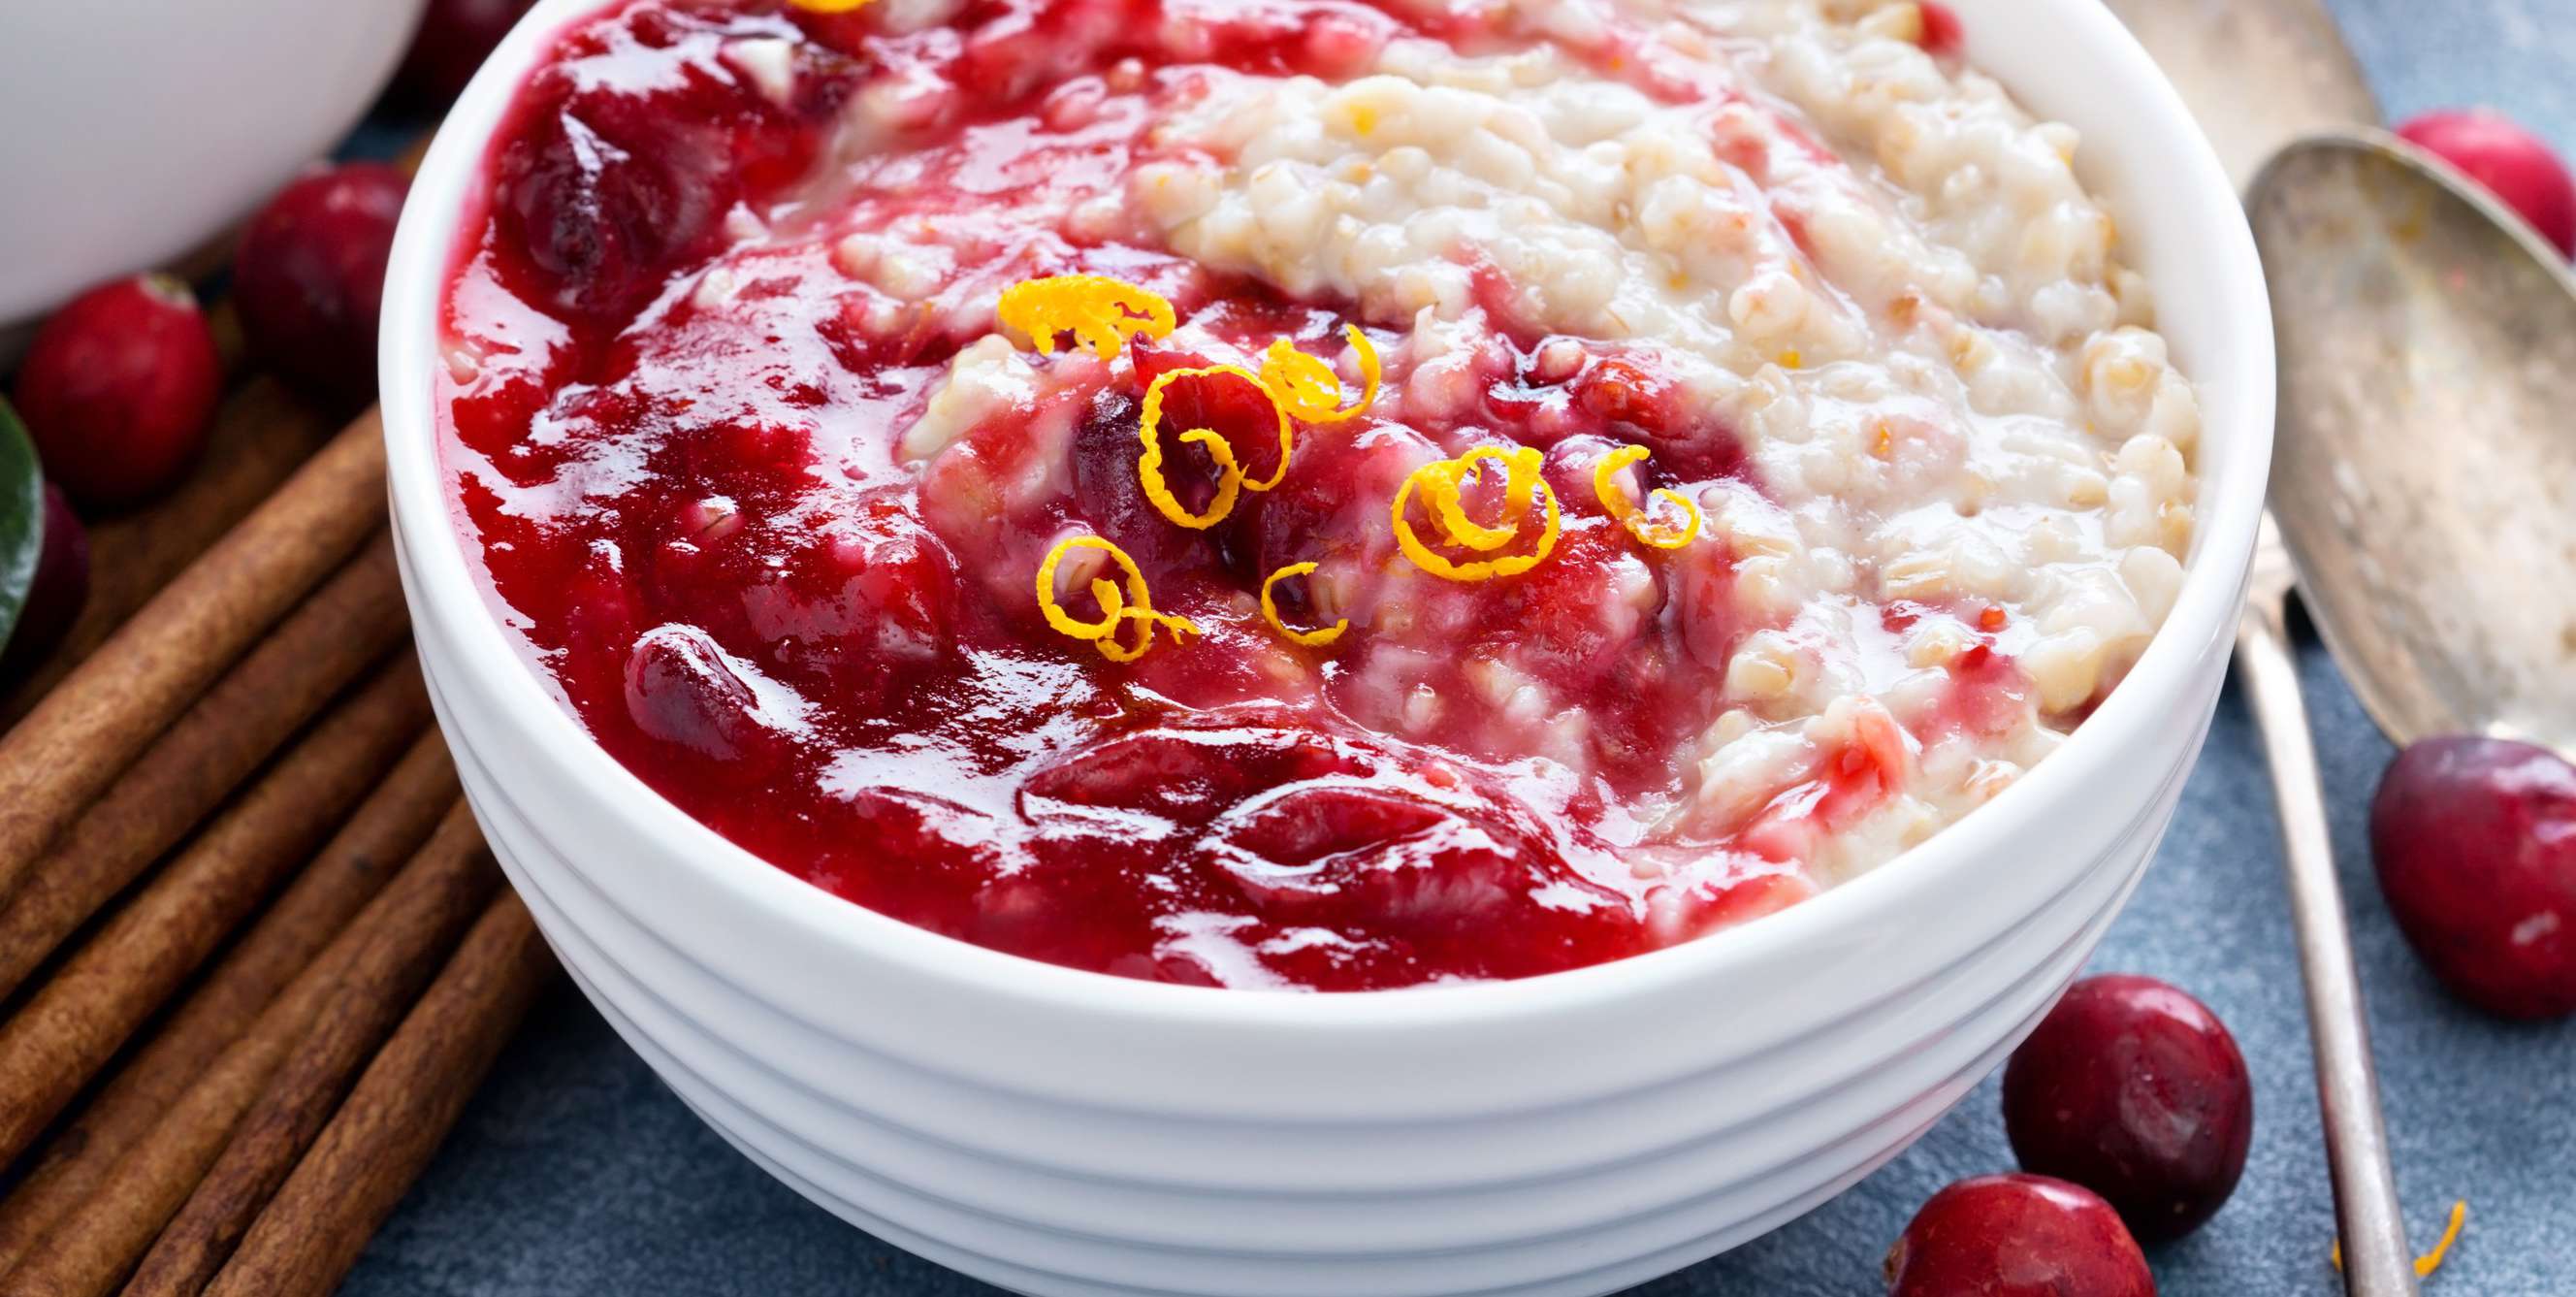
{"points": [[676, 423]]}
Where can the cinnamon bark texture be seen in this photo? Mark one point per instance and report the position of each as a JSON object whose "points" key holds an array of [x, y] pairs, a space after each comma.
{"points": [[394, 948], [83, 1013], [301, 1096], [321, 1218], [350, 623], [67, 751], [322, 901]]}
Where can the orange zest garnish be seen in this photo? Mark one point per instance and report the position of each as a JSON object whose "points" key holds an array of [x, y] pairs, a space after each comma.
{"points": [[1309, 389], [1230, 476], [1117, 608], [1670, 536], [1440, 483], [1101, 313], [1443, 495], [1270, 610], [829, 6], [2431, 1261]]}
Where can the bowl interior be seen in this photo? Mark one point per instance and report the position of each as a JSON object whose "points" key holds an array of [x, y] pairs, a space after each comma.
{"points": [[2065, 59]]}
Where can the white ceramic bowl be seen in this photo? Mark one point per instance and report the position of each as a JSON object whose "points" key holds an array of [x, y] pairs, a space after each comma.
{"points": [[1062, 1132], [136, 130]]}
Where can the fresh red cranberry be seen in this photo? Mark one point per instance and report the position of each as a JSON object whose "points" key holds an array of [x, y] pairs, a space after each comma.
{"points": [[455, 37], [2475, 843], [2017, 1236], [119, 387], [311, 274], [2135, 1090], [58, 592], [2511, 162]]}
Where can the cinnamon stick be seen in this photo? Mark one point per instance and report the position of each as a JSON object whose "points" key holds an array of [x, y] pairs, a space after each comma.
{"points": [[259, 437], [346, 626], [401, 1110], [387, 828], [300, 1099], [74, 744], [396, 945], [84, 1012]]}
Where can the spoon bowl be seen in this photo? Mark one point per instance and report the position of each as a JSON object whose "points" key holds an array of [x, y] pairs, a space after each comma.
{"points": [[2424, 475]]}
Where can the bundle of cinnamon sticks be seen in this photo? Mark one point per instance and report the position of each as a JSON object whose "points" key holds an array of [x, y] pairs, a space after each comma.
{"points": [[254, 956]]}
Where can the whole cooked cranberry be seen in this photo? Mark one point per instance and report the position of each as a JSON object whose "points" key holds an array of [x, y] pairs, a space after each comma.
{"points": [[2017, 1236], [311, 274], [455, 37], [118, 388], [604, 196], [56, 595], [2136, 1091], [2510, 161], [683, 688], [2475, 844]]}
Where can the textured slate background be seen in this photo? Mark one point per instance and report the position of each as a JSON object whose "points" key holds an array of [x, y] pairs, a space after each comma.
{"points": [[575, 1173]]}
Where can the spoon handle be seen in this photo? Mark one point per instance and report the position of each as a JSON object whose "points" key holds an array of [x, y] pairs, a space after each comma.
{"points": [[2376, 1260]]}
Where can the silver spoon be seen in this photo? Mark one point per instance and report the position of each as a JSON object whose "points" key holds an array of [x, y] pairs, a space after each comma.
{"points": [[2423, 476], [2307, 80], [2419, 479]]}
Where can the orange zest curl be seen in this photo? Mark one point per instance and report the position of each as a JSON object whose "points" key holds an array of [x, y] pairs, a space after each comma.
{"points": [[1442, 495], [1440, 483], [2431, 1261], [1230, 476], [1673, 535], [1101, 313], [1309, 389], [1117, 608], [828, 6], [1270, 610]]}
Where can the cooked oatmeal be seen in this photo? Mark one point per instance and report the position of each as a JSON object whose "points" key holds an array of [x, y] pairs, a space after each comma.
{"points": [[764, 478]]}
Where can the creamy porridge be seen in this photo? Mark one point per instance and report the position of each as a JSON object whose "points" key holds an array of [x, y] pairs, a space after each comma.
{"points": [[1311, 493]]}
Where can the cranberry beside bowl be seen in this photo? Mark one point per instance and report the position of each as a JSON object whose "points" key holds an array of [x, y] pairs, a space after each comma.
{"points": [[1628, 1106]]}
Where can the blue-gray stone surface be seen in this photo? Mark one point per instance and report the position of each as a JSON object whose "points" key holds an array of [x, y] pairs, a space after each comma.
{"points": [[575, 1173]]}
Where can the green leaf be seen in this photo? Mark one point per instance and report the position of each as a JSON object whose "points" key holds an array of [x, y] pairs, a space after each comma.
{"points": [[22, 519]]}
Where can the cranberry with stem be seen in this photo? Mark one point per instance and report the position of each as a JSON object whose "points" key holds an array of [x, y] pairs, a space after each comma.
{"points": [[310, 276], [2017, 1236], [2474, 841], [56, 595], [2512, 163], [2136, 1091], [118, 389]]}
